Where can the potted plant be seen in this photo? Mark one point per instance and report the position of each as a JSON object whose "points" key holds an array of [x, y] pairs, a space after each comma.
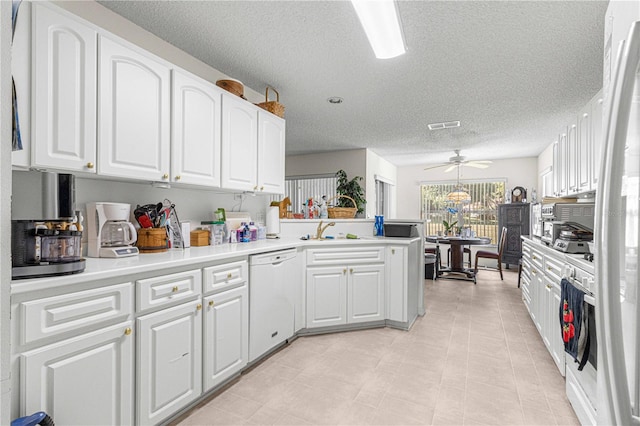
{"points": [[352, 189], [448, 227]]}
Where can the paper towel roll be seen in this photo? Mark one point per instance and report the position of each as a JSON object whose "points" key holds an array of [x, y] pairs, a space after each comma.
{"points": [[273, 220]]}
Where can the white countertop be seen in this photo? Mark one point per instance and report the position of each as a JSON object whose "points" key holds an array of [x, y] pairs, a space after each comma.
{"points": [[101, 268], [577, 260]]}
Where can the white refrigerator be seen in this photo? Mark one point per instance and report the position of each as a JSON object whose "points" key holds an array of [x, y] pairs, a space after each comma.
{"points": [[617, 240]]}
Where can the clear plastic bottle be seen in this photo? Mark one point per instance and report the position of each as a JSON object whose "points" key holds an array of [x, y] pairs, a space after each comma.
{"points": [[253, 231]]}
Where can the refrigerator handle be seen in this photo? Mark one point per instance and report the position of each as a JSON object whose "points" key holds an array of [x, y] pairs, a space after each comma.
{"points": [[614, 404]]}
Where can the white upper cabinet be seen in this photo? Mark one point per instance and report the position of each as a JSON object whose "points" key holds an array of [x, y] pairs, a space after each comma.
{"points": [[239, 144], [572, 158], [596, 137], [560, 164], [64, 88], [584, 149], [195, 119], [133, 133], [252, 147], [271, 140]]}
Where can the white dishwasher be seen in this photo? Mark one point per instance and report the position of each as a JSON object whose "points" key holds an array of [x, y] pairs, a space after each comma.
{"points": [[272, 294]]}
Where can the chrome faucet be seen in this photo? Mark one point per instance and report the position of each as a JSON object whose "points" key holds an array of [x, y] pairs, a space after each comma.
{"points": [[321, 229]]}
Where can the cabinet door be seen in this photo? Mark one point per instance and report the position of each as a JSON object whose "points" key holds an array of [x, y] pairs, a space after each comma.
{"points": [[271, 144], [169, 361], [572, 160], [226, 335], [133, 131], [365, 297], [397, 284], [584, 149], [64, 88], [196, 116], [555, 333], [85, 380], [548, 324], [537, 298], [556, 167], [596, 138], [239, 144], [326, 296], [560, 166]]}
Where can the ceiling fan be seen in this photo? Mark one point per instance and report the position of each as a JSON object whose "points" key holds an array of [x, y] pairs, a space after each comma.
{"points": [[458, 160]]}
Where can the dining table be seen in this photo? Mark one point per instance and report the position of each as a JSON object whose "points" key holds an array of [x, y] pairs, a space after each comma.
{"points": [[456, 269]]}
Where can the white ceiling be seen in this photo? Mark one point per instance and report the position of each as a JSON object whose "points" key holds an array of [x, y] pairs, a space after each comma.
{"points": [[511, 71]]}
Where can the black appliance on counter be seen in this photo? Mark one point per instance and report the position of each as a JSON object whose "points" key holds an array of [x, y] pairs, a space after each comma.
{"points": [[45, 248]]}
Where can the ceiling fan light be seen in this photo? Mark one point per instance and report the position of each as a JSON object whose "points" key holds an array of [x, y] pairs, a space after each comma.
{"points": [[381, 23], [459, 196]]}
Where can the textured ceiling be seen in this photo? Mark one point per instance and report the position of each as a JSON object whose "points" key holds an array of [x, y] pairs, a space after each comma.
{"points": [[511, 72]]}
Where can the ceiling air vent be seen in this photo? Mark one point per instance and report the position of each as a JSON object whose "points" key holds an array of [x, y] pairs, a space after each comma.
{"points": [[445, 125]]}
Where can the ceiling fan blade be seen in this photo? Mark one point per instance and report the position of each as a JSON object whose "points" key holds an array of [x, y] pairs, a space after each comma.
{"points": [[482, 161], [435, 167], [451, 168], [477, 165]]}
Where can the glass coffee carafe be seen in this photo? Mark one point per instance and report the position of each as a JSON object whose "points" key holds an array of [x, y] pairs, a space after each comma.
{"points": [[118, 233]]}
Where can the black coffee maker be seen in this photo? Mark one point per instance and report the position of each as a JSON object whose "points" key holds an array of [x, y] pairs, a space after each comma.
{"points": [[51, 246]]}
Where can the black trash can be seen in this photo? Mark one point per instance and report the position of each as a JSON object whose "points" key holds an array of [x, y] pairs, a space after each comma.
{"points": [[430, 266]]}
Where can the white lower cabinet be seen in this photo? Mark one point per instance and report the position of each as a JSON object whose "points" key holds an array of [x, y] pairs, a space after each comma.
{"points": [[84, 380], [338, 295], [326, 296], [397, 283], [542, 297], [226, 335], [365, 293], [169, 361]]}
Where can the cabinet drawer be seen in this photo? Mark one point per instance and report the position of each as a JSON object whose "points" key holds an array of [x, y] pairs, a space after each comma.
{"points": [[526, 268], [536, 259], [224, 277], [75, 312], [552, 269], [167, 289], [342, 256], [526, 250]]}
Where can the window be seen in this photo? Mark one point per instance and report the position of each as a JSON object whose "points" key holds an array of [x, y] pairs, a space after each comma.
{"points": [[383, 196], [481, 214], [300, 188]]}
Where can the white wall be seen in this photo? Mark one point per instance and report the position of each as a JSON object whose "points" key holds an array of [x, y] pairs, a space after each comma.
{"points": [[353, 161], [378, 166], [517, 172]]}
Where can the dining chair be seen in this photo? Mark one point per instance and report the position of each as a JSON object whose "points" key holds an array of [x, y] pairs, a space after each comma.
{"points": [[493, 255]]}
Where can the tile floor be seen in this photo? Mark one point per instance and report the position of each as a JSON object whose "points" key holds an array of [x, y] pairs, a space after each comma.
{"points": [[475, 358]]}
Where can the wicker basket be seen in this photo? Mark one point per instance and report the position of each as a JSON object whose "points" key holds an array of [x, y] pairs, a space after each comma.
{"points": [[342, 212], [274, 107], [232, 86]]}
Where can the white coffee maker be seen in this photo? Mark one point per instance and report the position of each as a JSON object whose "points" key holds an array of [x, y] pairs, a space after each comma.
{"points": [[110, 232]]}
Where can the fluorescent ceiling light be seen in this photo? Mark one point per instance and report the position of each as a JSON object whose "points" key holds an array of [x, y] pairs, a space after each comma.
{"points": [[381, 23]]}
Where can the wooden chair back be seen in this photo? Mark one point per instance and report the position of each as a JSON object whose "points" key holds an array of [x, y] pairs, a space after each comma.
{"points": [[503, 240]]}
